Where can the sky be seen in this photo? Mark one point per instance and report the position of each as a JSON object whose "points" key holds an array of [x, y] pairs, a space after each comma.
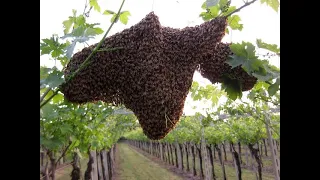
{"points": [[259, 22]]}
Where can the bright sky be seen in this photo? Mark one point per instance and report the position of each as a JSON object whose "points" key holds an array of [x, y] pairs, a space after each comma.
{"points": [[259, 21]]}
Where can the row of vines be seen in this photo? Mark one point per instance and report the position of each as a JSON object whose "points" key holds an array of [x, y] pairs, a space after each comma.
{"points": [[249, 133], [71, 132]]}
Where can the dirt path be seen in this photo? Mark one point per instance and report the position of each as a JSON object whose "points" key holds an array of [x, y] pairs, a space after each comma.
{"points": [[131, 165]]}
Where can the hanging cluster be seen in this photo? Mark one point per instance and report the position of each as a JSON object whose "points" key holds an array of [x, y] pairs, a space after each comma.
{"points": [[152, 72]]}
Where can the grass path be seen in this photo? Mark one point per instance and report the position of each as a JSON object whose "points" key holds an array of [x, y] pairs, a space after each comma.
{"points": [[134, 166]]}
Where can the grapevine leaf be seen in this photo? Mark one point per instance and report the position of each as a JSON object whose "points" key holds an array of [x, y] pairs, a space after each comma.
{"points": [[232, 87], [57, 98], [54, 79], [44, 71], [205, 16], [260, 85], [95, 144], [235, 61], [214, 11], [274, 4], [82, 39], [56, 53], [271, 47], [67, 25], [272, 90], [65, 128], [238, 49], [95, 5], [90, 32], [204, 5], [98, 31], [271, 72], [233, 22], [230, 9], [45, 50], [108, 12], [223, 3], [70, 49], [80, 20], [64, 59], [48, 111], [244, 55], [79, 31], [124, 17]]}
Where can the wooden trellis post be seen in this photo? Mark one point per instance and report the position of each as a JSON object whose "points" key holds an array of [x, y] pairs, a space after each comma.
{"points": [[273, 148]]}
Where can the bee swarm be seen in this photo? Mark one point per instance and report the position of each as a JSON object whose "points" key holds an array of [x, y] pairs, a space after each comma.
{"points": [[152, 72]]}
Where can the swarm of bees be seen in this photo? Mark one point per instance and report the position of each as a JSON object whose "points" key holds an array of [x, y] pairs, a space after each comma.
{"points": [[151, 72]]}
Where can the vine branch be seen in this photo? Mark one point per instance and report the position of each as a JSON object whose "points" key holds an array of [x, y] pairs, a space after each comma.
{"points": [[266, 100], [64, 152], [85, 63], [237, 10], [44, 94], [46, 101], [95, 50]]}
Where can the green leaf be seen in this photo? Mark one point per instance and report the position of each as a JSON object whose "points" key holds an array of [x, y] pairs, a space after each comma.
{"points": [[244, 55], [67, 25], [223, 3], [45, 50], [54, 79], [272, 90], [239, 49], [65, 128], [214, 11], [49, 112], [251, 52], [272, 3], [80, 20], [70, 49], [230, 9], [47, 46], [56, 53], [124, 17], [206, 16], [98, 30], [204, 5], [79, 31], [271, 72], [225, 6], [260, 85], [52, 46], [57, 98], [233, 22], [92, 32], [271, 47], [232, 87], [95, 144], [63, 60], [95, 5], [44, 72], [108, 12]]}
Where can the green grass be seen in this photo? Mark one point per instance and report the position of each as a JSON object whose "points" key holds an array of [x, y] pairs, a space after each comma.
{"points": [[135, 166]]}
